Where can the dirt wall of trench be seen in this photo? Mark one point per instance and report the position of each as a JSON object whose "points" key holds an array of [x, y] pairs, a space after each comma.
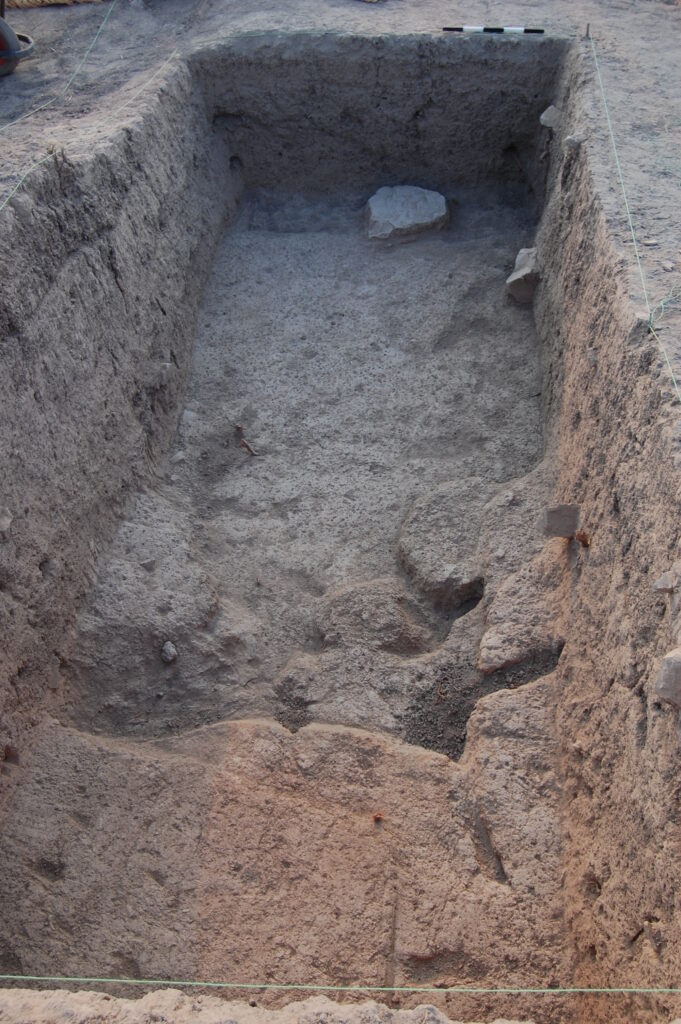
{"points": [[609, 414], [104, 260], [319, 111], [109, 246]]}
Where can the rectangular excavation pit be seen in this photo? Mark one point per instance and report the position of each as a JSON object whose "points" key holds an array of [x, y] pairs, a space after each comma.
{"points": [[389, 389], [347, 399], [341, 502]]}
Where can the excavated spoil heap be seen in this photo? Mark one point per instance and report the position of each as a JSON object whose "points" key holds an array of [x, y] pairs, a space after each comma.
{"points": [[296, 689]]}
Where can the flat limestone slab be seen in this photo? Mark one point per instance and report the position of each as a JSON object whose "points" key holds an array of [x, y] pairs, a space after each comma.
{"points": [[404, 210]]}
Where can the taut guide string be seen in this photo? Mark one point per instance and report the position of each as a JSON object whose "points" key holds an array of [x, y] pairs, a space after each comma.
{"points": [[110, 115], [651, 317], [273, 986]]}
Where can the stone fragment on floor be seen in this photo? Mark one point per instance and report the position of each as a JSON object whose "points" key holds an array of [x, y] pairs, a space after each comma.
{"points": [[404, 210], [523, 281]]}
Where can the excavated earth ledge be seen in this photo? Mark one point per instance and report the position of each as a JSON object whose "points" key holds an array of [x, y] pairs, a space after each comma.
{"points": [[173, 1007], [546, 855]]}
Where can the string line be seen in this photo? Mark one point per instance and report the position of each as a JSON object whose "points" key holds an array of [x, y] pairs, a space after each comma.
{"points": [[64, 91], [281, 987], [651, 316]]}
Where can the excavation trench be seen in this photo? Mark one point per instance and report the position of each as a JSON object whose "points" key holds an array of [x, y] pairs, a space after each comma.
{"points": [[389, 392], [338, 493], [303, 681]]}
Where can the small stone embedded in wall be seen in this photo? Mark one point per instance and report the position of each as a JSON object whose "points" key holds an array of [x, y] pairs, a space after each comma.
{"points": [[168, 652], [666, 583], [404, 210], [523, 281], [5, 523], [551, 118], [668, 683], [53, 667], [572, 143], [561, 520]]}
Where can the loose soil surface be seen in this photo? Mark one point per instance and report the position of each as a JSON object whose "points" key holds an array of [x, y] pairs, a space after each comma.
{"points": [[391, 392]]}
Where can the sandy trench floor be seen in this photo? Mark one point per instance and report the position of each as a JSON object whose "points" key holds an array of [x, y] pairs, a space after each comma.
{"points": [[365, 375]]}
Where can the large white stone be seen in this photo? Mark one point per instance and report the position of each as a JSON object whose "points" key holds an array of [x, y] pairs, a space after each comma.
{"points": [[404, 210]]}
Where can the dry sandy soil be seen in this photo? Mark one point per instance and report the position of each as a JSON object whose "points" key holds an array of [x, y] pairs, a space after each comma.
{"points": [[328, 708]]}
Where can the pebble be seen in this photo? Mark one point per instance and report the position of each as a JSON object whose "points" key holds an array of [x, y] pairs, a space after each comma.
{"points": [[574, 142], [168, 652], [525, 277], [665, 584], [551, 118], [668, 683], [6, 518], [667, 266], [669, 581], [650, 242], [561, 520]]}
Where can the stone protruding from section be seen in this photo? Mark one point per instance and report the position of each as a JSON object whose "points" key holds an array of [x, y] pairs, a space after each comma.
{"points": [[574, 142], [670, 581], [525, 277], [668, 683], [561, 520], [169, 652], [5, 523], [551, 118], [404, 210]]}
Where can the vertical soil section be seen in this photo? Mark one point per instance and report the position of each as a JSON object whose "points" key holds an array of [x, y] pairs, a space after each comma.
{"points": [[609, 416]]}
